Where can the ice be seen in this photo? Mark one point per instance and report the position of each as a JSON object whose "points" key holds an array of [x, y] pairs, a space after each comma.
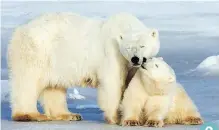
{"points": [[75, 95], [210, 66], [86, 106], [4, 91], [188, 33]]}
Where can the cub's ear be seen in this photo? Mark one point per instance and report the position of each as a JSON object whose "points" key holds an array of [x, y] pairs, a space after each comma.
{"points": [[154, 33], [161, 58]]}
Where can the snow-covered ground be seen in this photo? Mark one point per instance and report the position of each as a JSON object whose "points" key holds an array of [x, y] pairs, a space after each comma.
{"points": [[189, 33]]}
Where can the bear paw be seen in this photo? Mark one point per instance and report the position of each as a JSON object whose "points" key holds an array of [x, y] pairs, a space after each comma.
{"points": [[69, 117], [154, 123], [193, 121], [111, 121], [30, 117], [130, 123]]}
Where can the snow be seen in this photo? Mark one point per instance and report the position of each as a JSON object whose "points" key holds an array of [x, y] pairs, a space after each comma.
{"points": [[85, 125], [75, 95], [210, 66], [189, 34]]}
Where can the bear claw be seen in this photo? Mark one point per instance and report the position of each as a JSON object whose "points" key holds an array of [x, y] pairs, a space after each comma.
{"points": [[30, 117], [131, 123], [154, 123], [193, 121], [69, 117]]}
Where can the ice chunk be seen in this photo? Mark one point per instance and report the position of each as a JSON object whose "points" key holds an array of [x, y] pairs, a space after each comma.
{"points": [[209, 66], [75, 95]]}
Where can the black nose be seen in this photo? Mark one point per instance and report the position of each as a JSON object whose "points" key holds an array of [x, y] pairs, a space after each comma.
{"points": [[135, 60], [144, 59]]}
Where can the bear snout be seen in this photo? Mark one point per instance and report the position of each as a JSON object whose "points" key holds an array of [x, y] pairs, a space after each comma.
{"points": [[135, 60], [144, 60]]}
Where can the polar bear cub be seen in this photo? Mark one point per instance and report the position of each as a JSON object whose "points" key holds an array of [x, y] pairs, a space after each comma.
{"points": [[154, 98]]}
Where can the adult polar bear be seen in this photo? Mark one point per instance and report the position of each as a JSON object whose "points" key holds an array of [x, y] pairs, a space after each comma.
{"points": [[56, 51]]}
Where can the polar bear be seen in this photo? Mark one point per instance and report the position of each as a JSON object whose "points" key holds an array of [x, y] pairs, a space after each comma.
{"points": [[154, 98], [56, 51]]}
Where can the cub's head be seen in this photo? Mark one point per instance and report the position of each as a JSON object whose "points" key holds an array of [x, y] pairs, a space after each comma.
{"points": [[138, 47], [158, 70]]}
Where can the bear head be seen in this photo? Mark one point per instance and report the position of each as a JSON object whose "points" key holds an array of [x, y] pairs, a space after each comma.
{"points": [[158, 70], [138, 47]]}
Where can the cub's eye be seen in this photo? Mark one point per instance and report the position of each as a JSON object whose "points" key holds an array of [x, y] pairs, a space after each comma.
{"points": [[142, 46], [156, 65]]}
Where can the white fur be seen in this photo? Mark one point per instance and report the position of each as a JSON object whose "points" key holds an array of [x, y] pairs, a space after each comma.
{"points": [[154, 89], [61, 49]]}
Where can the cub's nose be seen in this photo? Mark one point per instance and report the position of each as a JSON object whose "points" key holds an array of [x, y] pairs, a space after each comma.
{"points": [[135, 60], [144, 59]]}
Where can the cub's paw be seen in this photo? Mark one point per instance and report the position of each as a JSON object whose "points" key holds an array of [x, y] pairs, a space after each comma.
{"points": [[110, 121], [154, 123], [30, 117], [193, 121], [115, 119], [130, 123], [69, 117]]}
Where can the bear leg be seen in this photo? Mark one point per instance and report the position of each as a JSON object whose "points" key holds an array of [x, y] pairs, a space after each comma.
{"points": [[156, 109], [24, 95], [109, 99], [132, 108], [53, 100]]}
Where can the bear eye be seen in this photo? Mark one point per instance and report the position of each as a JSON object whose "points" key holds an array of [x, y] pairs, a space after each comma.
{"points": [[142, 46], [156, 65], [121, 37], [153, 34]]}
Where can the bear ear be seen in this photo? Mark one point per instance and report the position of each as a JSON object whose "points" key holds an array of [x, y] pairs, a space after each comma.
{"points": [[161, 58], [154, 33], [119, 38]]}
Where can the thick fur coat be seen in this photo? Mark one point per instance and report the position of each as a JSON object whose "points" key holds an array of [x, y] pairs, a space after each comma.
{"points": [[56, 51], [154, 98]]}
